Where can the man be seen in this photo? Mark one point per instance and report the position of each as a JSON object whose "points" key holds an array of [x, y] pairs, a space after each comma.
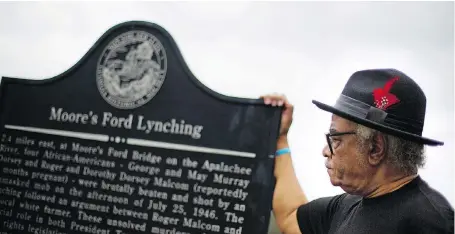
{"points": [[374, 149]]}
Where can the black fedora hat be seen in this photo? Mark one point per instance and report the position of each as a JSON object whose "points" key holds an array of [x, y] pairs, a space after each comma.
{"points": [[386, 100]]}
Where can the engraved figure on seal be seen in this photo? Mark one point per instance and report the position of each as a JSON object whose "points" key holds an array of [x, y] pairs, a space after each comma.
{"points": [[131, 70]]}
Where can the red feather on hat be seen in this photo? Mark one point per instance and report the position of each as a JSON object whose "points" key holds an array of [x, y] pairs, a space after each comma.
{"points": [[383, 99]]}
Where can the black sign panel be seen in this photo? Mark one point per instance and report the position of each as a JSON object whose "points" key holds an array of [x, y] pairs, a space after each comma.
{"points": [[129, 141]]}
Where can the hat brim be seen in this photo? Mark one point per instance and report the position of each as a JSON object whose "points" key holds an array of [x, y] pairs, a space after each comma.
{"points": [[377, 126]]}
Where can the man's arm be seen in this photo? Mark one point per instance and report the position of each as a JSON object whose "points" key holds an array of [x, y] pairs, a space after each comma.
{"points": [[288, 195]]}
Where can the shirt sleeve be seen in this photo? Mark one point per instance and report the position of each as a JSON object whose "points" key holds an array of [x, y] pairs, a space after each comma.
{"points": [[430, 222], [315, 217]]}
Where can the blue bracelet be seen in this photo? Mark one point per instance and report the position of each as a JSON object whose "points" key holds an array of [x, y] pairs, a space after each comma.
{"points": [[283, 151]]}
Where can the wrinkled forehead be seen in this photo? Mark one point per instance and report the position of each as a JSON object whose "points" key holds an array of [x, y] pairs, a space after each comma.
{"points": [[339, 124]]}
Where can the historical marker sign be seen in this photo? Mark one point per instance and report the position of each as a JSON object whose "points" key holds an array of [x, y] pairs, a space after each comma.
{"points": [[129, 141]]}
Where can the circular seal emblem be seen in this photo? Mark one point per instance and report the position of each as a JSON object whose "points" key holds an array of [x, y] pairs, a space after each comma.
{"points": [[131, 69]]}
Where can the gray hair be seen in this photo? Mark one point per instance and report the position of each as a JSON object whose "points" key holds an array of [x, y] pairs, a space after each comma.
{"points": [[405, 156]]}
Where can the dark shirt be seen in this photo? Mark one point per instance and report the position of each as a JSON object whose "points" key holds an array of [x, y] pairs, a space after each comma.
{"points": [[414, 208]]}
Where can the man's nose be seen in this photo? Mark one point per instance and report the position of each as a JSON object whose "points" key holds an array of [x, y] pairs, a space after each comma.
{"points": [[326, 151]]}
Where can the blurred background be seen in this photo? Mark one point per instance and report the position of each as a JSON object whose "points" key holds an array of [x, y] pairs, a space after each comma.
{"points": [[306, 50]]}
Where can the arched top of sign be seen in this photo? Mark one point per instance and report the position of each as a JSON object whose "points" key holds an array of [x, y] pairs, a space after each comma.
{"points": [[132, 64]]}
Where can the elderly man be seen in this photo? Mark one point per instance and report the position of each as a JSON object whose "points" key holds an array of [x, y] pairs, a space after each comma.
{"points": [[374, 149]]}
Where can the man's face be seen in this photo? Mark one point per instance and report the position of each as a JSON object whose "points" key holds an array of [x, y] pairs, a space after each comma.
{"points": [[347, 167]]}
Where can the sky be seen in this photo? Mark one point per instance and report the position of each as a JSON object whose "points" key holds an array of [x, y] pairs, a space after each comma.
{"points": [[306, 50]]}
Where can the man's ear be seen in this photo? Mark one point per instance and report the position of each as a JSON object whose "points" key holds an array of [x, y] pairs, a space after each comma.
{"points": [[378, 149]]}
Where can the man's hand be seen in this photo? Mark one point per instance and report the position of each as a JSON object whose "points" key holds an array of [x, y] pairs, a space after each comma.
{"points": [[286, 116]]}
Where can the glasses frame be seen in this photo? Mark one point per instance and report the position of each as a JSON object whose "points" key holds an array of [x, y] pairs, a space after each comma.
{"points": [[328, 135]]}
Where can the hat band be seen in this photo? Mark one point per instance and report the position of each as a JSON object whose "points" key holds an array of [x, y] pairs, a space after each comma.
{"points": [[364, 111]]}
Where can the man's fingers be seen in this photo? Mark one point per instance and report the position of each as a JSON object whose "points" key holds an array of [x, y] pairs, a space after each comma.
{"points": [[275, 99]]}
